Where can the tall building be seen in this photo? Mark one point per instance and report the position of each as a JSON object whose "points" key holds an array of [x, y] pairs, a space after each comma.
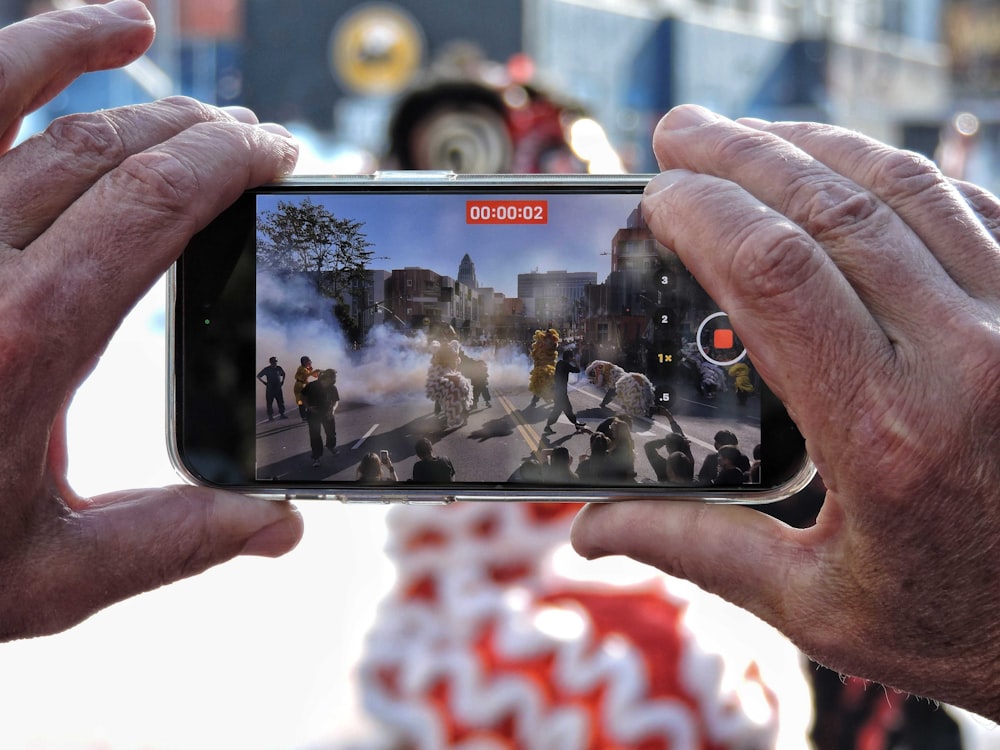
{"points": [[467, 272], [554, 297]]}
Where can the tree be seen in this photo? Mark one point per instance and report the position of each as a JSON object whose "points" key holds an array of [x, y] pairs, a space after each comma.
{"points": [[308, 238]]}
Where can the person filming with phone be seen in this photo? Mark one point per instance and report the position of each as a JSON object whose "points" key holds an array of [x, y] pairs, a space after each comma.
{"points": [[865, 284]]}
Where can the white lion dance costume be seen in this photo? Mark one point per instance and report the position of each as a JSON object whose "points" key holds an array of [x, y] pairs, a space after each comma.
{"points": [[633, 390], [446, 386], [480, 644]]}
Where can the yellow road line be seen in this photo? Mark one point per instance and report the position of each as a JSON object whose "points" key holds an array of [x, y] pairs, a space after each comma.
{"points": [[528, 433]]}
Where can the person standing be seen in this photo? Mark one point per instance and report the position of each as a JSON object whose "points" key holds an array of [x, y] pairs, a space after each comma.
{"points": [[560, 391], [303, 374], [320, 398], [273, 378]]}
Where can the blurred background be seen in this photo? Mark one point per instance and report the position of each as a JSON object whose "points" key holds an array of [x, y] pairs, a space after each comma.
{"points": [[265, 654], [921, 74]]}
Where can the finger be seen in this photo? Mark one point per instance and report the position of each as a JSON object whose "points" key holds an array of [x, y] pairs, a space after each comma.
{"points": [[130, 542], [914, 188], [818, 586], [847, 221], [39, 57], [770, 276], [40, 178], [985, 204], [744, 556], [71, 288]]}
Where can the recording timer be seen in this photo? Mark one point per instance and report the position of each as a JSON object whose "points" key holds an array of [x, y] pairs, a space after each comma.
{"points": [[507, 211]]}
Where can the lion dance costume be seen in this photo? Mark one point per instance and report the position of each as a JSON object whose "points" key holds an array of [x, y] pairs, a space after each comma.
{"points": [[544, 353], [446, 386], [740, 373], [480, 644], [633, 390]]}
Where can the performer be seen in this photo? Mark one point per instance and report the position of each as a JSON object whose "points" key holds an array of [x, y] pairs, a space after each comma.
{"points": [[454, 660], [561, 404], [447, 387], [303, 375], [321, 398], [740, 373], [477, 371], [604, 375], [544, 353], [634, 390], [435, 372]]}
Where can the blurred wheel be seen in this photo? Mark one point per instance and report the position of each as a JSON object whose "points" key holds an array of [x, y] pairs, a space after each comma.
{"points": [[468, 140]]}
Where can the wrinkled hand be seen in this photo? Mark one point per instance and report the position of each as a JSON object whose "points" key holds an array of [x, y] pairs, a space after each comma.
{"points": [[867, 288], [94, 211]]}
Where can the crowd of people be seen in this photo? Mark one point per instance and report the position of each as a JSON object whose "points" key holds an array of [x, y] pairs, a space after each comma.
{"points": [[456, 381], [612, 452]]}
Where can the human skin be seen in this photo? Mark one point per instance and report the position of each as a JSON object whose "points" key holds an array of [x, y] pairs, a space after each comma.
{"points": [[866, 286], [94, 211]]}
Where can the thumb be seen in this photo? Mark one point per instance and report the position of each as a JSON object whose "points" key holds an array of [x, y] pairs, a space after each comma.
{"points": [[118, 545], [736, 552]]}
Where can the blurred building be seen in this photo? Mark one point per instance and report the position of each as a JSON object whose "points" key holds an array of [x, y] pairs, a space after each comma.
{"points": [[900, 70], [880, 66], [554, 297], [970, 145], [422, 298]]}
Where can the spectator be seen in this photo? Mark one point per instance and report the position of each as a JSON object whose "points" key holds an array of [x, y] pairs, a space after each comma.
{"points": [[431, 469], [376, 469]]}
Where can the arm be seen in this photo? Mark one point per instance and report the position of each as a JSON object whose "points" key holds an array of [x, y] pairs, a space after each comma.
{"points": [[880, 279], [94, 212]]}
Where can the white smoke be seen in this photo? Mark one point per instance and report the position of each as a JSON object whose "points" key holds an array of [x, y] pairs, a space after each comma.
{"points": [[293, 321]]}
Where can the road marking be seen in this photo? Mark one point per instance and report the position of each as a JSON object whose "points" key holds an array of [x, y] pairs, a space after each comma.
{"points": [[364, 437], [700, 403], [665, 428], [528, 433]]}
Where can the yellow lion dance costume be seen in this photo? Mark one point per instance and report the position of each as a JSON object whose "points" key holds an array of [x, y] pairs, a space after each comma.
{"points": [[740, 373], [544, 353]]}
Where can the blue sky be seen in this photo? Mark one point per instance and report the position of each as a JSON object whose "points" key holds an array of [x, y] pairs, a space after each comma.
{"points": [[429, 230]]}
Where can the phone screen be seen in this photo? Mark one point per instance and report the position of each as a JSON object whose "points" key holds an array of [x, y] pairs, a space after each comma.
{"points": [[486, 338]]}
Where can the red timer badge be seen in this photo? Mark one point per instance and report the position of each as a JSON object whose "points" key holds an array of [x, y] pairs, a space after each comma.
{"points": [[507, 212]]}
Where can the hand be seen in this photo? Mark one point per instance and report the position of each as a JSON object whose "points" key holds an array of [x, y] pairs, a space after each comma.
{"points": [[866, 287], [96, 209]]}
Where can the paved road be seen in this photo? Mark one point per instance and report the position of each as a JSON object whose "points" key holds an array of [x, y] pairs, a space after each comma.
{"points": [[494, 442]]}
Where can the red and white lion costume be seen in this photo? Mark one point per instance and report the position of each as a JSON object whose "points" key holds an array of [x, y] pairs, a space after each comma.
{"points": [[480, 644]]}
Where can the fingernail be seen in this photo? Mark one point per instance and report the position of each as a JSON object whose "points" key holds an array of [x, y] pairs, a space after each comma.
{"points": [[275, 540], [241, 114], [130, 9], [753, 122], [663, 180], [276, 129], [689, 116]]}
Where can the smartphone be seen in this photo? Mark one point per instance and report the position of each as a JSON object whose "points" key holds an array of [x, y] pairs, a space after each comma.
{"points": [[505, 337]]}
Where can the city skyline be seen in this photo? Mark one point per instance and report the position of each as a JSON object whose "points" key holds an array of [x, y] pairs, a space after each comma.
{"points": [[430, 231]]}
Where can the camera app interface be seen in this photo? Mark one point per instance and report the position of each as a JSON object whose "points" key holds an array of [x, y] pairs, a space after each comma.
{"points": [[547, 340]]}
